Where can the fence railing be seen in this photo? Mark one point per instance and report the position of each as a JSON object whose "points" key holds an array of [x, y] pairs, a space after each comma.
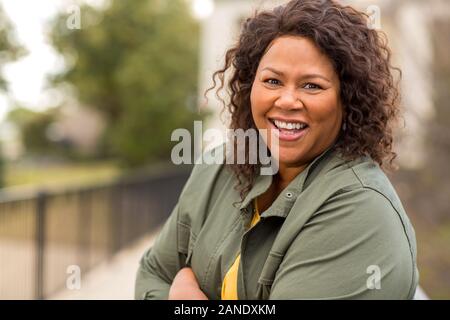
{"points": [[43, 233]]}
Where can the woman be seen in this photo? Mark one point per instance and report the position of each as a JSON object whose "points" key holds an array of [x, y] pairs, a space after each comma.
{"points": [[328, 224]]}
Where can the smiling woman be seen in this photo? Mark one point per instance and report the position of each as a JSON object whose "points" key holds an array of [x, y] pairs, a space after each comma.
{"points": [[296, 93], [328, 224]]}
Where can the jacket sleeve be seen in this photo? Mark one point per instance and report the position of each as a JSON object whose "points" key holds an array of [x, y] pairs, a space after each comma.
{"points": [[354, 247], [160, 263]]}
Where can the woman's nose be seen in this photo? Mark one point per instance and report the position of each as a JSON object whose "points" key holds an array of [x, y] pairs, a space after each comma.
{"points": [[289, 99]]}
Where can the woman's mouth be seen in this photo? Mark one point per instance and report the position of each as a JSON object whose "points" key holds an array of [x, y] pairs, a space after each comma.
{"points": [[289, 130]]}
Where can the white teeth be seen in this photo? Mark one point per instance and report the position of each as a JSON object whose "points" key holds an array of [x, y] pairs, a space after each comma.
{"points": [[289, 125]]}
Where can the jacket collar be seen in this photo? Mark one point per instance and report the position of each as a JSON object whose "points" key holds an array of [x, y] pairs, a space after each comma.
{"points": [[285, 200]]}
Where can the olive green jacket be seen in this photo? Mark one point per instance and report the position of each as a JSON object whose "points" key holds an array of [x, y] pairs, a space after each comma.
{"points": [[338, 231]]}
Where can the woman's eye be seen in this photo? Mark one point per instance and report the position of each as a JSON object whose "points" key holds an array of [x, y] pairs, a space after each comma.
{"points": [[312, 86], [273, 82]]}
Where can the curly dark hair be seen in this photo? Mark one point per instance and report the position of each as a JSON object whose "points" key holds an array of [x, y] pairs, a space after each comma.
{"points": [[360, 56]]}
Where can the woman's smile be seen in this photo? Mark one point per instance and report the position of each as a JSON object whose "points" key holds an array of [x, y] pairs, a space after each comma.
{"points": [[287, 129]]}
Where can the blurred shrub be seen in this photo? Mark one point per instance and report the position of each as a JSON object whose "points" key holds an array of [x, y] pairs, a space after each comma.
{"points": [[34, 131]]}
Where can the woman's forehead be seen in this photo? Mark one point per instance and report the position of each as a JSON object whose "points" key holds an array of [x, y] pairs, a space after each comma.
{"points": [[295, 55]]}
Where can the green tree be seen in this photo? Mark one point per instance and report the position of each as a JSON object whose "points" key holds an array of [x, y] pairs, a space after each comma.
{"points": [[136, 62], [10, 49]]}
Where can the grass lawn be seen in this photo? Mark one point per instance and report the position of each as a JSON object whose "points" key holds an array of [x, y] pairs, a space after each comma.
{"points": [[60, 174]]}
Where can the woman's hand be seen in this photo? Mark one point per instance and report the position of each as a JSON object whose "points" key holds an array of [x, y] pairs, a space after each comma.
{"points": [[186, 287]]}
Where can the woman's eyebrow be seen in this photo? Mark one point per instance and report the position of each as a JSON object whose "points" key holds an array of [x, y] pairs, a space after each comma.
{"points": [[305, 76]]}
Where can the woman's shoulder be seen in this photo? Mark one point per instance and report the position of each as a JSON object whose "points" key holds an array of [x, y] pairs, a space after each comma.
{"points": [[208, 184], [361, 173], [207, 173], [362, 183]]}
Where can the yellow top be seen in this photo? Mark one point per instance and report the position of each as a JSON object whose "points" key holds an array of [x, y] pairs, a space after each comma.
{"points": [[229, 285]]}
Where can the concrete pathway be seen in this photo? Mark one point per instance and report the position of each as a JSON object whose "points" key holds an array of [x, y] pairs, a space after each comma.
{"points": [[112, 279]]}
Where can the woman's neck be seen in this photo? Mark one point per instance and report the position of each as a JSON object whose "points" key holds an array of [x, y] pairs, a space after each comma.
{"points": [[286, 174], [279, 182]]}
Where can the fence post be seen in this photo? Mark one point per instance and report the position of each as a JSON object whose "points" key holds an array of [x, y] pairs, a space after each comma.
{"points": [[116, 218], [40, 244], [84, 227]]}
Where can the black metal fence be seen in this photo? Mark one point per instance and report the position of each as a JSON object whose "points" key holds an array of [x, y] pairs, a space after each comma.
{"points": [[43, 233]]}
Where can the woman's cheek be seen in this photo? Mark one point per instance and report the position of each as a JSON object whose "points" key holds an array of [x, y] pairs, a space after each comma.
{"points": [[323, 109], [260, 106]]}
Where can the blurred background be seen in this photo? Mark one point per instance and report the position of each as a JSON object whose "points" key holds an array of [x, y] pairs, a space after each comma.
{"points": [[90, 92]]}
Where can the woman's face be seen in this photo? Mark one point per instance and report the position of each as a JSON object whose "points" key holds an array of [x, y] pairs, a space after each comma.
{"points": [[296, 94]]}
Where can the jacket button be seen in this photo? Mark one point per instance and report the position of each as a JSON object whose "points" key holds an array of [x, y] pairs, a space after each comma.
{"points": [[289, 195]]}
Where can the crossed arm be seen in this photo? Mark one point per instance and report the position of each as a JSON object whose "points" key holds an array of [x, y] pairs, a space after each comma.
{"points": [[186, 287]]}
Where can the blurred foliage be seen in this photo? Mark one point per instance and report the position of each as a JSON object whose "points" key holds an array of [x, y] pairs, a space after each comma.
{"points": [[34, 132], [137, 63], [21, 116], [2, 169], [435, 178], [35, 127], [10, 49], [426, 191]]}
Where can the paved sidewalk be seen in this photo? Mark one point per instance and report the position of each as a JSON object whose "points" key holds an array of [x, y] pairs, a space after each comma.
{"points": [[112, 279]]}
